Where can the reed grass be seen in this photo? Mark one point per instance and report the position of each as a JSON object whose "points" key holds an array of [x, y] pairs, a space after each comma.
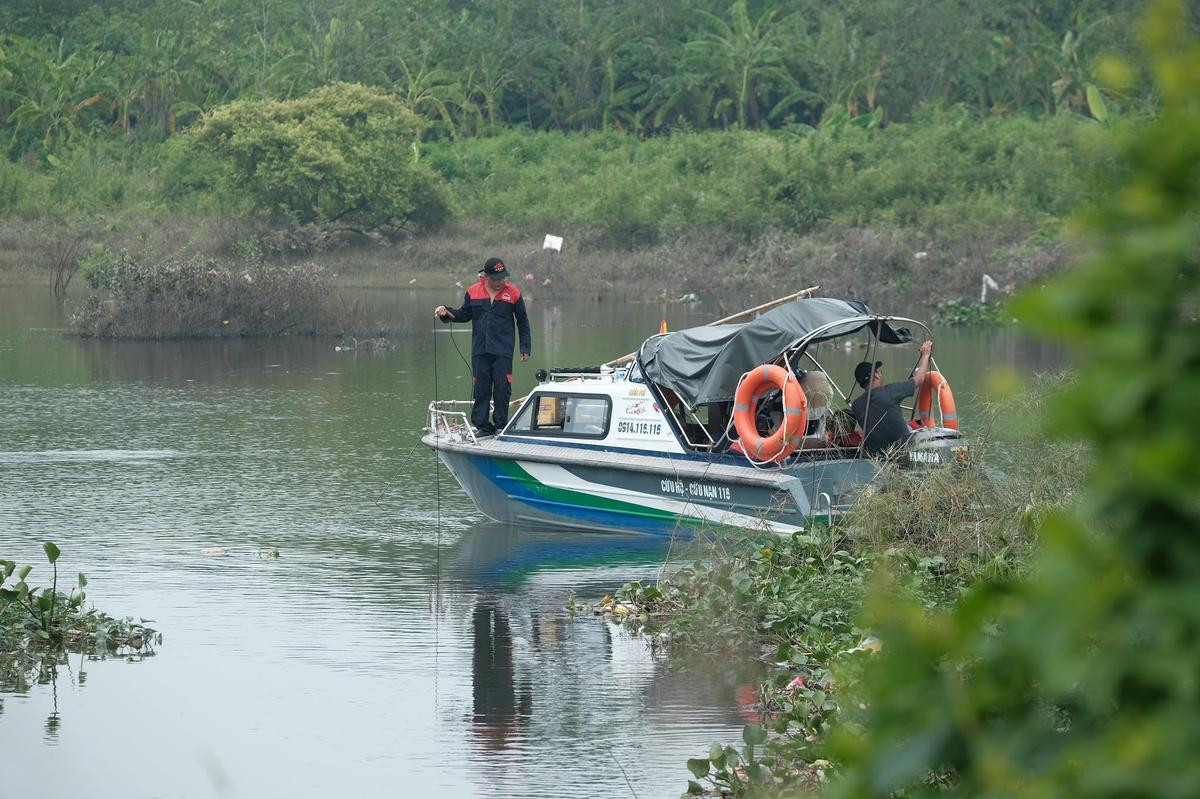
{"points": [[979, 518], [193, 296]]}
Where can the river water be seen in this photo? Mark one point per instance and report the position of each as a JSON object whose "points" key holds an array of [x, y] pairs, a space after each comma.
{"points": [[400, 644]]}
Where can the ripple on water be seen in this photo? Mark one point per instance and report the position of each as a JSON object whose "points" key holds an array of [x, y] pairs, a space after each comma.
{"points": [[85, 455]]}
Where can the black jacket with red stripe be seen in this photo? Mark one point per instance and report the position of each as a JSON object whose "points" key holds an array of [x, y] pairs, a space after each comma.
{"points": [[492, 321]]}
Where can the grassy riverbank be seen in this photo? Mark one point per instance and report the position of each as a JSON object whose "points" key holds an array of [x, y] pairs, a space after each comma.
{"points": [[731, 271], [922, 208]]}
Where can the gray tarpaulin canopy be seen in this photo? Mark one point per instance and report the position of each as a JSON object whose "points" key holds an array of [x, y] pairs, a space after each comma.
{"points": [[703, 364]]}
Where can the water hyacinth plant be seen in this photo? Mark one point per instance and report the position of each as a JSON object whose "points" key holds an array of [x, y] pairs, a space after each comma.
{"points": [[923, 539], [40, 626]]}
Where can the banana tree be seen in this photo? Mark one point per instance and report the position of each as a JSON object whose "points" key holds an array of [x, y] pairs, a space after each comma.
{"points": [[123, 86], [427, 91], [742, 56], [169, 60], [484, 87], [50, 89]]}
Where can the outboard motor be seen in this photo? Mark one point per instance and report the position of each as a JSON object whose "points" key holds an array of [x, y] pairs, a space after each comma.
{"points": [[933, 446]]}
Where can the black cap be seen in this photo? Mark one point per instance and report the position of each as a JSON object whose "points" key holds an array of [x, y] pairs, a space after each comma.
{"points": [[862, 372], [494, 267]]}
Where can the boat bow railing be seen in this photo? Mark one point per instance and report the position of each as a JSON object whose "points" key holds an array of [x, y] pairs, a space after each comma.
{"points": [[445, 422]]}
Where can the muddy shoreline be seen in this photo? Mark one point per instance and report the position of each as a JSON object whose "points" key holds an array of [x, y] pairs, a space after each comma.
{"points": [[883, 264]]}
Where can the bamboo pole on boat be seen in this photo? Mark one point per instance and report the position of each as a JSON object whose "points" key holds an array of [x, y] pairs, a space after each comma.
{"points": [[624, 359]]}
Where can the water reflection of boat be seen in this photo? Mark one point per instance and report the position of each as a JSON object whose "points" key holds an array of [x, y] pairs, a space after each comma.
{"points": [[499, 555], [735, 424], [537, 675]]}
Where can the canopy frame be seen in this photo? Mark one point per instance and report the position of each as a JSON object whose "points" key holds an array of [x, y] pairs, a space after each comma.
{"points": [[699, 387]]}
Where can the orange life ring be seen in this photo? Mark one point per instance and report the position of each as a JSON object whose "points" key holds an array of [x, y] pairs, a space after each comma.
{"points": [[751, 388], [949, 413]]}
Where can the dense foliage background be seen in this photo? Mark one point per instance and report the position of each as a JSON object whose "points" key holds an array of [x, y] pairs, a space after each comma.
{"points": [[960, 130], [71, 67]]}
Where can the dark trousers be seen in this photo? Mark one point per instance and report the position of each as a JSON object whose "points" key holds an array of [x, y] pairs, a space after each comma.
{"points": [[492, 376]]}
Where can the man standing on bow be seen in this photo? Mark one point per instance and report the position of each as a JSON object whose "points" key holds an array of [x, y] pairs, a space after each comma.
{"points": [[493, 306]]}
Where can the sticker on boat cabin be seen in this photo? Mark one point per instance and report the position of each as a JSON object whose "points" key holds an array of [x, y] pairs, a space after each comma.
{"points": [[636, 408], [636, 392]]}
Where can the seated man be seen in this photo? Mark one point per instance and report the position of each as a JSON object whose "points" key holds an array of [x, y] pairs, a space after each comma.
{"points": [[878, 410]]}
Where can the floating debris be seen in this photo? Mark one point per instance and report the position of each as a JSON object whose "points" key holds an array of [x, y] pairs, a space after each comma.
{"points": [[623, 611]]}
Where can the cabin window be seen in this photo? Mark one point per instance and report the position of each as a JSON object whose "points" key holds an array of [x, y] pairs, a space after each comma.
{"points": [[574, 415]]}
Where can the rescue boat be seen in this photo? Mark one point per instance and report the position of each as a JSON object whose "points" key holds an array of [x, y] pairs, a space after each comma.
{"points": [[726, 425]]}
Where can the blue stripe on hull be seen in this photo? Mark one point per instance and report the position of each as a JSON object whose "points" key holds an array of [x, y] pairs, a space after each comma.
{"points": [[517, 491], [550, 511]]}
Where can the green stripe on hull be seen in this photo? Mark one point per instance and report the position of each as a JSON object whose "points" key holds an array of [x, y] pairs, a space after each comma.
{"points": [[566, 496]]}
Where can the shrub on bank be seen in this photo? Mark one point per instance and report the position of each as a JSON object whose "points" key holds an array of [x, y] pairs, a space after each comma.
{"points": [[1080, 680], [944, 177], [194, 296], [343, 154], [722, 214], [946, 169], [20, 188], [965, 313]]}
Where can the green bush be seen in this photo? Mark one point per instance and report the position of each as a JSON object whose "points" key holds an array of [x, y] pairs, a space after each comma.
{"points": [[342, 154], [308, 161], [93, 177], [964, 313], [1081, 679], [196, 180]]}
